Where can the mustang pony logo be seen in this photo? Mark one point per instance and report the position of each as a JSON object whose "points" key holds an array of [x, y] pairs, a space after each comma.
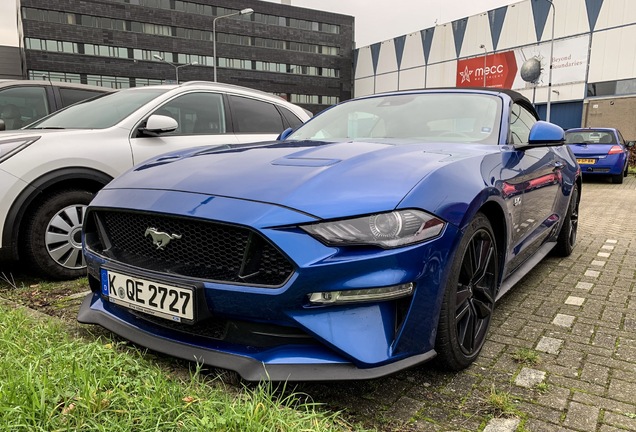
{"points": [[160, 239]]}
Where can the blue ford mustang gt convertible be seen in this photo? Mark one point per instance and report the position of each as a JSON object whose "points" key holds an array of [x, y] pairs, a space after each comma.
{"points": [[373, 238]]}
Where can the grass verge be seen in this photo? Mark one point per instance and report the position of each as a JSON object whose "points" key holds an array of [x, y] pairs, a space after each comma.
{"points": [[50, 381]]}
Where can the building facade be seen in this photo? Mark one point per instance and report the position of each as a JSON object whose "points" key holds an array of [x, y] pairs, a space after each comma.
{"points": [[303, 55], [593, 77]]}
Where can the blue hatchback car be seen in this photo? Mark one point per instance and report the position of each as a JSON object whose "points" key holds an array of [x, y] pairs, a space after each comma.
{"points": [[600, 151], [375, 237]]}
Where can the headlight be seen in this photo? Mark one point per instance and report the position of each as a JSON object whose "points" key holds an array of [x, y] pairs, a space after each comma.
{"points": [[387, 230], [10, 147]]}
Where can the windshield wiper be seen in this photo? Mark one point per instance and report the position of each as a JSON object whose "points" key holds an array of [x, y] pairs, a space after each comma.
{"points": [[48, 127]]}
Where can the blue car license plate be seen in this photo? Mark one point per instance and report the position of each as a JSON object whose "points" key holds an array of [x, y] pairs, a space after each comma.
{"points": [[155, 298]]}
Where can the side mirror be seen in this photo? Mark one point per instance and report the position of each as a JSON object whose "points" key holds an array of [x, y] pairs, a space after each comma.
{"points": [[544, 134], [2, 125], [158, 124], [287, 132], [630, 144]]}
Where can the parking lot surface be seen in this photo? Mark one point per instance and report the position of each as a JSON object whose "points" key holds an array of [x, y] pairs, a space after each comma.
{"points": [[560, 356], [561, 353]]}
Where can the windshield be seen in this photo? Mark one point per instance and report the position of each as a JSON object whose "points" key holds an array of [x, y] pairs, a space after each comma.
{"points": [[456, 117], [590, 137], [99, 113]]}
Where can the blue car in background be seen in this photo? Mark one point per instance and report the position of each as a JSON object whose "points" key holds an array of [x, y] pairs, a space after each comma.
{"points": [[600, 151], [373, 238]]}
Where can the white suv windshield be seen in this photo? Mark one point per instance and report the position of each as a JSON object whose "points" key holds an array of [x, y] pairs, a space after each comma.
{"points": [[99, 113]]}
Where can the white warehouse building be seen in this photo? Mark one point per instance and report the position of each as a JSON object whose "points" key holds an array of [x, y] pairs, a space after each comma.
{"points": [[593, 61]]}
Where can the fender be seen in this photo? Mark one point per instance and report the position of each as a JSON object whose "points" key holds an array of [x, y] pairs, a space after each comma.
{"points": [[35, 190]]}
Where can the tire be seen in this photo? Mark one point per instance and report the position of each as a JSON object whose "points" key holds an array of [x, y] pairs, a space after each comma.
{"points": [[53, 235], [567, 236], [617, 179], [469, 297]]}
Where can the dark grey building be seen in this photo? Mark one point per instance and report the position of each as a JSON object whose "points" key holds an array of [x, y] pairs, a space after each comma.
{"points": [[303, 55]]}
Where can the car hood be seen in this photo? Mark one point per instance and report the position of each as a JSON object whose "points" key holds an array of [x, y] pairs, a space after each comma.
{"points": [[322, 179], [21, 133]]}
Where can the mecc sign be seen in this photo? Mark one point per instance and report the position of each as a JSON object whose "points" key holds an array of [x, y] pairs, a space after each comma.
{"points": [[499, 69]]}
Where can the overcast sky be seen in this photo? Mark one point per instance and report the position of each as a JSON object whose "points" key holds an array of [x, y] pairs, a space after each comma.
{"points": [[8, 23], [377, 20]]}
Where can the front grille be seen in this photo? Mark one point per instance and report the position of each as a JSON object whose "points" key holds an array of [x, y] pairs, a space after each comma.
{"points": [[210, 328], [205, 249], [259, 335]]}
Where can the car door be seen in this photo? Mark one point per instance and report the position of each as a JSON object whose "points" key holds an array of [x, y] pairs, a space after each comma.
{"points": [[202, 119], [540, 181]]}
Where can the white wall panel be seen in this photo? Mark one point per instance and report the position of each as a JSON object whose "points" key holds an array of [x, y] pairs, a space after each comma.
{"points": [[612, 56], [477, 33], [364, 66], [562, 93], [413, 51], [412, 78], [387, 61], [518, 27], [441, 74], [386, 82], [527, 93], [363, 86], [443, 46], [571, 19], [615, 13]]}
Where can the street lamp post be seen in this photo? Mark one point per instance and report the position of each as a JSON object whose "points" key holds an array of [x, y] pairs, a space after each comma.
{"points": [[247, 11], [547, 112], [485, 57], [176, 67]]}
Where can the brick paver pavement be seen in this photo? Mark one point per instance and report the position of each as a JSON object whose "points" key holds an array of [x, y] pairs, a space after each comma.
{"points": [[578, 314]]}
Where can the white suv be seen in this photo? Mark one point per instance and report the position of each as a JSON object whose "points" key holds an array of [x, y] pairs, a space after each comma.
{"points": [[50, 171]]}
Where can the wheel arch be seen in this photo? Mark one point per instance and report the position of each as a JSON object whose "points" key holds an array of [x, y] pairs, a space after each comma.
{"points": [[65, 178], [497, 219]]}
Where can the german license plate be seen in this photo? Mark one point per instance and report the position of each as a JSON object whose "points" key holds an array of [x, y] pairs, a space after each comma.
{"points": [[586, 161], [155, 298]]}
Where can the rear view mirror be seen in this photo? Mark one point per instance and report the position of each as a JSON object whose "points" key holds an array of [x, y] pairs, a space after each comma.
{"points": [[158, 124], [284, 134], [543, 134], [546, 133]]}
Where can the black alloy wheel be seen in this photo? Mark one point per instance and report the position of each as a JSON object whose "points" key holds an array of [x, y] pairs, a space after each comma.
{"points": [[469, 299], [567, 236]]}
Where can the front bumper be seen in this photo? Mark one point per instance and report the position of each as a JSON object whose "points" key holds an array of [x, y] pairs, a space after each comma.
{"points": [[281, 336], [292, 368]]}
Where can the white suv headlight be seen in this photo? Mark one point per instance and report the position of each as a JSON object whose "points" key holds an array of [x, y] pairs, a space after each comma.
{"points": [[387, 230], [12, 146]]}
